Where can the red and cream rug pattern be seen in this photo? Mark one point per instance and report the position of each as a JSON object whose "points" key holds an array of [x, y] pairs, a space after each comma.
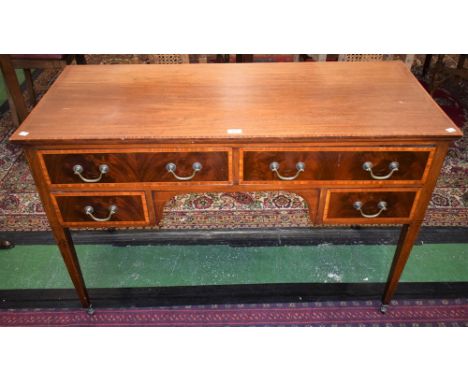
{"points": [[447, 312], [21, 209]]}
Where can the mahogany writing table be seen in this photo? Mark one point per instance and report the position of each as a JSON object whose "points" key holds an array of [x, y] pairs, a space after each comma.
{"points": [[362, 143]]}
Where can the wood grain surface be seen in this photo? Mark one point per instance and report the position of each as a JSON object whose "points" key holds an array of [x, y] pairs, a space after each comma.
{"points": [[229, 101], [334, 165], [132, 209], [137, 167], [340, 204]]}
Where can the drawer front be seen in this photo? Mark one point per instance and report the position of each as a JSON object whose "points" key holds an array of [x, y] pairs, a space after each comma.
{"points": [[333, 165], [114, 167], [369, 206], [102, 209]]}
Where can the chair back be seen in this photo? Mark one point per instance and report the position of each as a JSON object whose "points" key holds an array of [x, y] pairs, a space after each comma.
{"points": [[363, 57], [170, 58]]}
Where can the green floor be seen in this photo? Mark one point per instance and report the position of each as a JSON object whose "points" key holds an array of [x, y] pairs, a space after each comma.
{"points": [[106, 266]]}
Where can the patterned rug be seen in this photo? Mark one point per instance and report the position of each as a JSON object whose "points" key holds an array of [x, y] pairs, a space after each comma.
{"points": [[21, 209], [344, 313]]}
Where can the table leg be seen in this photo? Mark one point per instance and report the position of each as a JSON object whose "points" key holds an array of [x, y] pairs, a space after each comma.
{"points": [[160, 198], [409, 232], [67, 249], [62, 235], [408, 236]]}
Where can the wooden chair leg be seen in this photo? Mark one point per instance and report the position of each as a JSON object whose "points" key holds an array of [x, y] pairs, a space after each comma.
{"points": [[30, 85], [461, 61], [14, 112], [427, 64], [16, 100], [80, 59], [434, 83], [244, 58]]}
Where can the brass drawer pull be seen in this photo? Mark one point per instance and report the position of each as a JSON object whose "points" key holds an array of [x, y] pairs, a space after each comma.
{"points": [[78, 169], [89, 210], [300, 167], [171, 167], [382, 207], [393, 166]]}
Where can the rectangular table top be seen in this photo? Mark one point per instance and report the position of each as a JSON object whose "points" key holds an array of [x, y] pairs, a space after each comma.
{"points": [[235, 101]]}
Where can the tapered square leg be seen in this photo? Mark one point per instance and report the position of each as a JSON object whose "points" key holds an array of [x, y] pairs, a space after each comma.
{"points": [[67, 249], [408, 236], [61, 234]]}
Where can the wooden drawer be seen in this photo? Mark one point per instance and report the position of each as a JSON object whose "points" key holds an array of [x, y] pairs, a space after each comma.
{"points": [[337, 164], [369, 206], [128, 209], [136, 166]]}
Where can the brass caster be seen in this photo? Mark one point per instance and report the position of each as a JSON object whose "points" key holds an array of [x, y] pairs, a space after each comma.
{"points": [[6, 244], [90, 311], [383, 308]]}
